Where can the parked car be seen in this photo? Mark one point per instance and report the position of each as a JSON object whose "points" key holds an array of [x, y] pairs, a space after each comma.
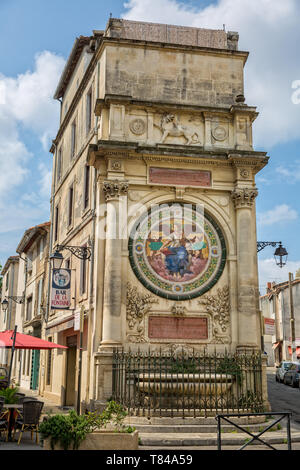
{"points": [[282, 369], [292, 375]]}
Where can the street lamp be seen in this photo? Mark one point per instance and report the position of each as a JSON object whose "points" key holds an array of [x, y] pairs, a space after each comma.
{"points": [[280, 254], [4, 305], [81, 252], [14, 298], [56, 260]]}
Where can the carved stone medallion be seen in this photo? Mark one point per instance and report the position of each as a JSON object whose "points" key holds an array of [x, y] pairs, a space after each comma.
{"points": [[219, 133], [138, 126]]}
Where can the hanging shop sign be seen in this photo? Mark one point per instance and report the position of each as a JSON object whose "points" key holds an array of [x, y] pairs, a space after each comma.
{"points": [[61, 289], [269, 326]]}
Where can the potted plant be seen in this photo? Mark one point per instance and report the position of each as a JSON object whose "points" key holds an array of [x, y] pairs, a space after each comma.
{"points": [[92, 431], [9, 395]]}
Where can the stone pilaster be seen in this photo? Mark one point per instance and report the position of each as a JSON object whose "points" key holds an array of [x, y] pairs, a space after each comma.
{"points": [[247, 282], [115, 192]]}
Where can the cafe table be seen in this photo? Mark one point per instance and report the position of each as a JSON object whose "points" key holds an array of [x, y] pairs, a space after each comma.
{"points": [[11, 419]]}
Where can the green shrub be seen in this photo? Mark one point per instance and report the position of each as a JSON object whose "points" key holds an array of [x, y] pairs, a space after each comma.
{"points": [[230, 366], [70, 430]]}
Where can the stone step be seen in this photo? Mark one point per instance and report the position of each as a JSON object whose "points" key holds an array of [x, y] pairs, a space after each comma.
{"points": [[198, 429], [199, 421], [180, 413], [173, 440]]}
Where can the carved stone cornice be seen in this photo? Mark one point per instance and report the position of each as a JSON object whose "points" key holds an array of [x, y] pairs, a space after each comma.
{"points": [[114, 189], [244, 197]]}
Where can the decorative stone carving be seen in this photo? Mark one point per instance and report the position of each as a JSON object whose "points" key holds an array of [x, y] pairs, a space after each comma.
{"points": [[134, 196], [138, 126], [220, 133], [178, 350], [178, 309], [116, 165], [245, 174], [244, 197], [218, 307], [137, 306], [114, 189], [170, 127]]}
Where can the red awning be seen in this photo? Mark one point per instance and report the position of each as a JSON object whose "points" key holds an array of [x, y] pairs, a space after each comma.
{"points": [[26, 341], [297, 350]]}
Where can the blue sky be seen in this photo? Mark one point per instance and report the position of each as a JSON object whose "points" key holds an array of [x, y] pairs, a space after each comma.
{"points": [[36, 37]]}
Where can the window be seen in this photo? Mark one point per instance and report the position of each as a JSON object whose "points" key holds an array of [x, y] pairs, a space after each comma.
{"points": [[7, 281], [88, 112], [86, 186], [40, 293], [71, 198], [29, 261], [59, 165], [29, 309], [56, 224], [41, 250], [73, 139]]}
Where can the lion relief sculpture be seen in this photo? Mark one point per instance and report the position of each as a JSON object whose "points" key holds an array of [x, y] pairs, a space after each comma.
{"points": [[170, 127]]}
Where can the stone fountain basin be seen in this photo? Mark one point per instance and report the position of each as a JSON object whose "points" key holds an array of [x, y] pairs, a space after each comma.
{"points": [[187, 384]]}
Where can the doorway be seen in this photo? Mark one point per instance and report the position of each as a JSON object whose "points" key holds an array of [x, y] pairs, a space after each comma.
{"points": [[71, 370]]}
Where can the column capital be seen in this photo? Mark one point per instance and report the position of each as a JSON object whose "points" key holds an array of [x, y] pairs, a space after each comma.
{"points": [[244, 197], [114, 189]]}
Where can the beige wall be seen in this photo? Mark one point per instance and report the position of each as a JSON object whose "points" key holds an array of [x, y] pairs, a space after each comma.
{"points": [[150, 73]]}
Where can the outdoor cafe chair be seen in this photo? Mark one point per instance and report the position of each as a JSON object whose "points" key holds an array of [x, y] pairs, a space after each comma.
{"points": [[3, 420], [19, 396], [29, 421]]}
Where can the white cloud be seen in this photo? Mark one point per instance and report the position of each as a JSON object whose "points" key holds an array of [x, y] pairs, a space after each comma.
{"points": [[26, 101], [29, 97], [292, 172], [270, 272], [270, 30], [280, 214], [45, 181]]}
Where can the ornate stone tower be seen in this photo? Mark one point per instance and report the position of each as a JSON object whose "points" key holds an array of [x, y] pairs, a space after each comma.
{"points": [[176, 259]]}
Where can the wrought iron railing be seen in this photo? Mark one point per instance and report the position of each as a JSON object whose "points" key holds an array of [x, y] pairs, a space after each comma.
{"points": [[275, 420], [187, 384]]}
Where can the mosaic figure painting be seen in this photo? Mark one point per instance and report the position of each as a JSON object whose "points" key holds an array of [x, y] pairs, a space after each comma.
{"points": [[177, 252]]}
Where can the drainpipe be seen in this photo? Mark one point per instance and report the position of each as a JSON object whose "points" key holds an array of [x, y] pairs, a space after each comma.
{"points": [[91, 295], [51, 233]]}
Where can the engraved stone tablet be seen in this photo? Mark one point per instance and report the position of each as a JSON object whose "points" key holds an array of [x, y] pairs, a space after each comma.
{"points": [[180, 177], [178, 328]]}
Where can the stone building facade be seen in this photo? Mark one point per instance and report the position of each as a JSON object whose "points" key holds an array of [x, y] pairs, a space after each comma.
{"points": [[9, 289], [275, 304], [154, 123]]}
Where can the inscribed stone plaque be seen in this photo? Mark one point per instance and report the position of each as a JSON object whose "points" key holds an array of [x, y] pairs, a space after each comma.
{"points": [[178, 328], [180, 177]]}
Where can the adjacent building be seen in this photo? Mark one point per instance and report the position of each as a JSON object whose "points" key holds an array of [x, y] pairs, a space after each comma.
{"points": [[9, 291], [275, 304]]}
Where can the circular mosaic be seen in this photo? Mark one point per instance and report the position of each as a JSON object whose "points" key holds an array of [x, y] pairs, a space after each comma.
{"points": [[177, 252]]}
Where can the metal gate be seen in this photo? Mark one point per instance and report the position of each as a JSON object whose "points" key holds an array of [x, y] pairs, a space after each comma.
{"points": [[158, 384]]}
